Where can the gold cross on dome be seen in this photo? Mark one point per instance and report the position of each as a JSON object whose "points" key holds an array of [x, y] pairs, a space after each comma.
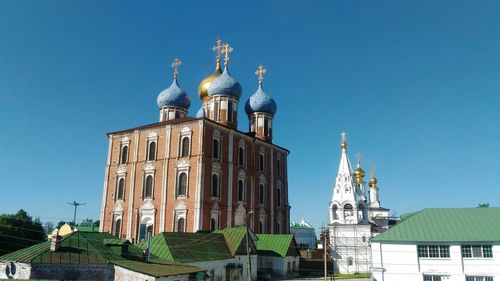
{"points": [[372, 171], [260, 73], [218, 49], [226, 49], [358, 157], [175, 65]]}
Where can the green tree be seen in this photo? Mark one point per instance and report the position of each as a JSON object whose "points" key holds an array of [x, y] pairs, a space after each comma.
{"points": [[19, 231], [483, 205]]}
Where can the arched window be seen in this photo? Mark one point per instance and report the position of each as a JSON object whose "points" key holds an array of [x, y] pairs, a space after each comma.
{"points": [[241, 156], [185, 147], [241, 190], [261, 193], [124, 155], [215, 185], [213, 224], [181, 190], [279, 196], [180, 225], [349, 261], [215, 149], [261, 227], [334, 212], [348, 210], [148, 186], [118, 225], [152, 151], [120, 189]]}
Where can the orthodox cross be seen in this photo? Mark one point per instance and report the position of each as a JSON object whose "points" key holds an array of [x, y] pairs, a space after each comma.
{"points": [[344, 140], [226, 49], [358, 157], [175, 66], [260, 73], [372, 170], [218, 49]]}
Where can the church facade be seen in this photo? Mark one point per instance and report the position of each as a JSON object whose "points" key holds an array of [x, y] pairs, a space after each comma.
{"points": [[354, 216], [196, 173]]}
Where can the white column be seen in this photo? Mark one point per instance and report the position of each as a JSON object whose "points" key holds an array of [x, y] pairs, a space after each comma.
{"points": [[132, 185], [164, 188], [230, 182], [198, 213], [105, 186]]}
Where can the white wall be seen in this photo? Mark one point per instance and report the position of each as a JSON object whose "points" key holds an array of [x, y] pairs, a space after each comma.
{"points": [[278, 265], [124, 274], [218, 267], [395, 262], [351, 241], [14, 270]]}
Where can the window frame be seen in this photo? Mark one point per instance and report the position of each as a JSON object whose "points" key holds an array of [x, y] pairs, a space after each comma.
{"points": [[120, 195], [433, 251], [185, 149], [262, 193], [467, 251], [179, 183], [241, 156], [216, 186], [145, 186], [124, 156], [261, 162], [241, 190], [216, 153], [149, 155]]}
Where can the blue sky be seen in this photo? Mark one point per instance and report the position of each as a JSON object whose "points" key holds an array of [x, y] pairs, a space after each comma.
{"points": [[415, 84]]}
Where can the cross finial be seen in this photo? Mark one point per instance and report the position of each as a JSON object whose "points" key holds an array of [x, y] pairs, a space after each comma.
{"points": [[358, 157], [372, 171], [218, 49], [226, 49], [175, 65], [260, 73], [344, 140]]}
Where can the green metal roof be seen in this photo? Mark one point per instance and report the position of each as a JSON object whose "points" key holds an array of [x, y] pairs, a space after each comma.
{"points": [[234, 236], [75, 248], [276, 245], [158, 267], [184, 247], [446, 225]]}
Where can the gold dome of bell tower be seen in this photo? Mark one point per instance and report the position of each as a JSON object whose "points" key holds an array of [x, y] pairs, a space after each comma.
{"points": [[205, 83]]}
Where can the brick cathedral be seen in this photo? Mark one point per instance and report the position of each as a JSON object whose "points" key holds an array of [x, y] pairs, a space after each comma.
{"points": [[187, 173]]}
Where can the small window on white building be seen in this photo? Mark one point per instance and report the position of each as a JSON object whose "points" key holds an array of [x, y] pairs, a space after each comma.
{"points": [[478, 278], [477, 251], [433, 251], [432, 277], [350, 261]]}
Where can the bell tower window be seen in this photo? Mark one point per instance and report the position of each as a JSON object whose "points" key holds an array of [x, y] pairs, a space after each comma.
{"points": [[152, 151]]}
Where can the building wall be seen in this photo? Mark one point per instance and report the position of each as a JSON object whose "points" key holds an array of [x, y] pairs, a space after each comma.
{"points": [[216, 269], [198, 206], [71, 272], [124, 274], [15, 270], [279, 266], [401, 262]]}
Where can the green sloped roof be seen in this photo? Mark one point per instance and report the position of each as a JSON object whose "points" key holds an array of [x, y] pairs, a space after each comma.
{"points": [[75, 248], [184, 247], [274, 244], [447, 225], [234, 236], [158, 267]]}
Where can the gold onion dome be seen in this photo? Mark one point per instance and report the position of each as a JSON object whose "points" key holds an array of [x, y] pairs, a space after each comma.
{"points": [[359, 173], [373, 182], [205, 83]]}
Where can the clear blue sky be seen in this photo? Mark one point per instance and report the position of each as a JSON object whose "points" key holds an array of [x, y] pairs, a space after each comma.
{"points": [[415, 84]]}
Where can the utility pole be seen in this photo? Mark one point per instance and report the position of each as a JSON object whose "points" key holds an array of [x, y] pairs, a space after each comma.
{"points": [[249, 262], [76, 204], [324, 231]]}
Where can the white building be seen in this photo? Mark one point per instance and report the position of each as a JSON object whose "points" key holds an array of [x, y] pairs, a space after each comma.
{"points": [[304, 234], [354, 217], [440, 244]]}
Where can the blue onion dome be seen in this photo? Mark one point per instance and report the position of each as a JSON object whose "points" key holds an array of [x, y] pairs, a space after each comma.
{"points": [[225, 85], [260, 102], [174, 96], [200, 113]]}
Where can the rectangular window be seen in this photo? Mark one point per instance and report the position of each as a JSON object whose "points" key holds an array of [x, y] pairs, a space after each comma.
{"points": [[266, 127], [241, 156], [261, 193], [433, 251], [230, 111], [216, 111], [478, 278], [215, 149], [477, 251], [432, 277]]}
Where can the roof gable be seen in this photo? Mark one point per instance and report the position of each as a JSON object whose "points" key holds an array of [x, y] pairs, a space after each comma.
{"points": [[276, 245], [446, 225], [184, 246]]}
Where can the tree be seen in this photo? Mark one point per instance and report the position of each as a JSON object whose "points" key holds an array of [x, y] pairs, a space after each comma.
{"points": [[19, 231], [48, 226], [483, 205]]}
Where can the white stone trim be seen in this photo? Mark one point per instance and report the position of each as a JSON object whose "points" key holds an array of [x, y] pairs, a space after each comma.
{"points": [[105, 185]]}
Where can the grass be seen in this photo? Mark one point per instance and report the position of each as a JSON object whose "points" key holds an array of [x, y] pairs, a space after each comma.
{"points": [[353, 275]]}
